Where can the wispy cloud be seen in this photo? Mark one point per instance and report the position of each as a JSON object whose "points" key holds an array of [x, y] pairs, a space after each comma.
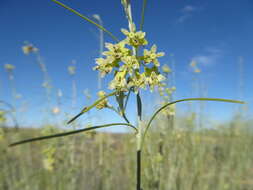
{"points": [[187, 12], [205, 60], [210, 58], [188, 9]]}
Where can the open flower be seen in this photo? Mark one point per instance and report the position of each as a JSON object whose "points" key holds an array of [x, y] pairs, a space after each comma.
{"points": [[105, 65], [135, 38], [116, 51], [151, 56], [137, 81], [153, 77], [131, 63], [119, 82]]}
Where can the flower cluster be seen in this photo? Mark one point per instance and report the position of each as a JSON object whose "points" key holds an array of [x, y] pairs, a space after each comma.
{"points": [[131, 70]]}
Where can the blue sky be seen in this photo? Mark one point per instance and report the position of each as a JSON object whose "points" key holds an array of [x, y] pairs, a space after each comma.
{"points": [[217, 34]]}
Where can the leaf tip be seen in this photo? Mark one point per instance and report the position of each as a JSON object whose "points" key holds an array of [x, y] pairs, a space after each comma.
{"points": [[74, 118]]}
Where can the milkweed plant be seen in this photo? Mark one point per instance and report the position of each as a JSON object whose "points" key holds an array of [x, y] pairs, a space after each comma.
{"points": [[135, 65]]}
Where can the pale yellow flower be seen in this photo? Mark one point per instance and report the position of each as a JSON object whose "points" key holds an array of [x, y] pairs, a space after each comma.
{"points": [[127, 66], [116, 51], [48, 164], [137, 81], [56, 110], [166, 69], [169, 91], [9, 67], [135, 38], [29, 49], [197, 70], [49, 157], [153, 77], [71, 70], [150, 56], [105, 65], [119, 82], [193, 63], [130, 63], [103, 103]]}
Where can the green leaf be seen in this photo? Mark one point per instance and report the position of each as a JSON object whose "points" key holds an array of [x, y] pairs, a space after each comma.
{"points": [[120, 99], [139, 105], [183, 100], [70, 133], [87, 19]]}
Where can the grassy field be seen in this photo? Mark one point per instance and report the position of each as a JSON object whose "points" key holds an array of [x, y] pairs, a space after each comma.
{"points": [[179, 158]]}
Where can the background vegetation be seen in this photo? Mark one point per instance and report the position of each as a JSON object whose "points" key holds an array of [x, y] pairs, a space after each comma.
{"points": [[182, 152], [180, 158]]}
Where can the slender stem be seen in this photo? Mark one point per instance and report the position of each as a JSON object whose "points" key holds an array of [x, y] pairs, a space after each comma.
{"points": [[139, 142], [138, 171], [143, 13], [127, 7], [101, 46]]}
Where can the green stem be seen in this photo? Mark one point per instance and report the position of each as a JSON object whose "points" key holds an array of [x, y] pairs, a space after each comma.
{"points": [[138, 171], [143, 13], [139, 142]]}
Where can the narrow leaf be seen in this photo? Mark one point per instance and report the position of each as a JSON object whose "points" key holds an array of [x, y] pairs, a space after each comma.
{"points": [[85, 109], [183, 100], [70, 133], [86, 18], [139, 105]]}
